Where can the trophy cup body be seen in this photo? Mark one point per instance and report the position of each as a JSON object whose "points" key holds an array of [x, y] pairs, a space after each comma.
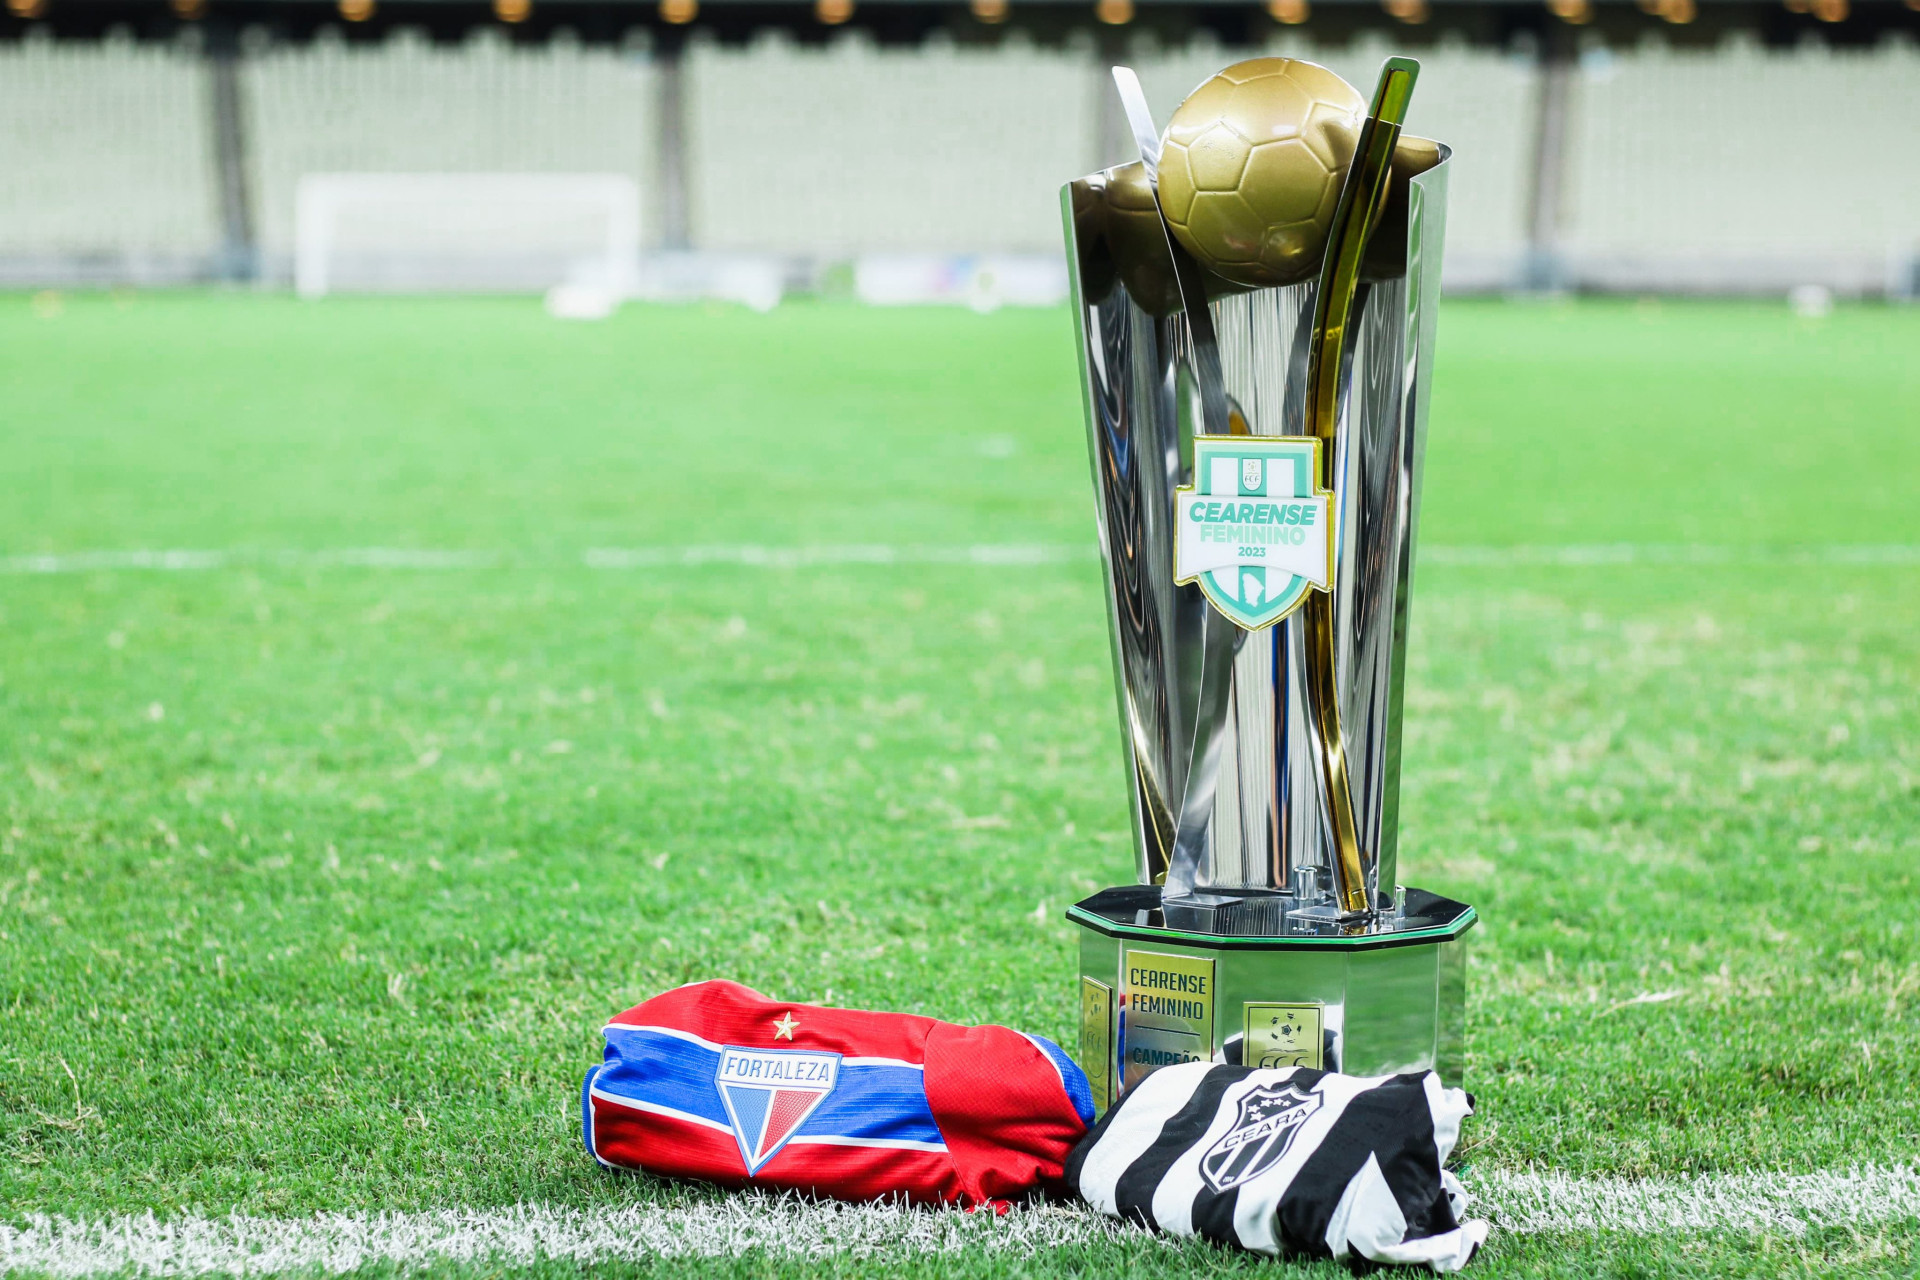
{"points": [[1252, 954]]}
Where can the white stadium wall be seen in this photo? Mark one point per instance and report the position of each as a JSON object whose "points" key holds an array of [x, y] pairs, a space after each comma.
{"points": [[106, 162], [1692, 167], [851, 148], [1724, 169], [407, 106]]}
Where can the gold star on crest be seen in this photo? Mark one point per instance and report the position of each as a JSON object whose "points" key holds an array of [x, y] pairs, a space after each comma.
{"points": [[783, 1026]]}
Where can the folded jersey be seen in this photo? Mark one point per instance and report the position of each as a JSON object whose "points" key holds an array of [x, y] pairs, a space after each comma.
{"points": [[1287, 1161], [715, 1081]]}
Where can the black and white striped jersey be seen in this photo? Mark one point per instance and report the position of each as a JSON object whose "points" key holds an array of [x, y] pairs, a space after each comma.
{"points": [[1287, 1161]]}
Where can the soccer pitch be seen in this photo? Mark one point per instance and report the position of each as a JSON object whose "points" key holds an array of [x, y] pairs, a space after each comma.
{"points": [[369, 733]]}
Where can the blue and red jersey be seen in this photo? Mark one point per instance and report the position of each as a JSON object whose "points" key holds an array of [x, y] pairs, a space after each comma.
{"points": [[717, 1082]]}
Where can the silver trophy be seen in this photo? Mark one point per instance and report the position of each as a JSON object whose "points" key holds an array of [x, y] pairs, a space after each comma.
{"points": [[1256, 353]]}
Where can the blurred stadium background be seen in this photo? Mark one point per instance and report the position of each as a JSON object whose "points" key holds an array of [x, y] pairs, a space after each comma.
{"points": [[909, 150]]}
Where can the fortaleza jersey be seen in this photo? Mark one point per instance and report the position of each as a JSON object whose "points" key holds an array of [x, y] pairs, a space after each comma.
{"points": [[717, 1082]]}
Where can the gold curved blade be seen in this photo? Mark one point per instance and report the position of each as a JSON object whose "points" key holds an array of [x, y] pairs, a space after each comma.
{"points": [[1362, 196]]}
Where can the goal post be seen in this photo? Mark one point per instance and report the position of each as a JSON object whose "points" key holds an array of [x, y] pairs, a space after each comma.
{"points": [[430, 232]]}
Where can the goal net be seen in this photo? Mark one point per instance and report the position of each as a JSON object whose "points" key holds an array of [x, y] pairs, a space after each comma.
{"points": [[426, 232]]}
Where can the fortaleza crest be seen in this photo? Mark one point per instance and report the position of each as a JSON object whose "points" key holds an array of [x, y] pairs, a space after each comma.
{"points": [[769, 1093], [1252, 528], [1269, 1118]]}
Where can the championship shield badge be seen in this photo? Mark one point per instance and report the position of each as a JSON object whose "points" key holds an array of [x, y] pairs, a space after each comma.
{"points": [[1253, 527]]}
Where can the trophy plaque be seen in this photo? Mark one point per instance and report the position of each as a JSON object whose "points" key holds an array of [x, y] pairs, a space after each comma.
{"points": [[1255, 307]]}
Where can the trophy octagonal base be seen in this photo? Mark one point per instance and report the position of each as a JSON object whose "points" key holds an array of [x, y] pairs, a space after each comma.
{"points": [[1230, 975]]}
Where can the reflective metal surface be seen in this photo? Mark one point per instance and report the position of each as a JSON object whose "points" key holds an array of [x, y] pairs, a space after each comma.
{"points": [[1266, 817], [1362, 196], [1376, 1010], [1219, 637], [1237, 919]]}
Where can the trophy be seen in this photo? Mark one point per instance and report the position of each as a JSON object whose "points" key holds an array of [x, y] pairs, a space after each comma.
{"points": [[1254, 304]]}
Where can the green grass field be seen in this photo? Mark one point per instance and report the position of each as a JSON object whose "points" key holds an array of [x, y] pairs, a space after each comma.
{"points": [[317, 878]]}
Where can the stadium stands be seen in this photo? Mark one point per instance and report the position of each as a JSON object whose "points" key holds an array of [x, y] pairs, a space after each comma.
{"points": [[1694, 167], [1727, 167], [106, 165], [849, 147], [407, 106]]}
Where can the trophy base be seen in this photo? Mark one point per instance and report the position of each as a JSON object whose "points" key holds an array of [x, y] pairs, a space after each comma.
{"points": [[1247, 976]]}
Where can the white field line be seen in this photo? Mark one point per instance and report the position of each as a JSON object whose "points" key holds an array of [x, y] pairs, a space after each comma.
{"points": [[337, 1242], [1544, 1203], [987, 554], [1682, 553], [176, 561], [185, 561], [1522, 1203]]}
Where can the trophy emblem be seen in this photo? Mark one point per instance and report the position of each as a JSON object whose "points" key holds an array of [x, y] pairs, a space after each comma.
{"points": [[1255, 541], [1255, 304]]}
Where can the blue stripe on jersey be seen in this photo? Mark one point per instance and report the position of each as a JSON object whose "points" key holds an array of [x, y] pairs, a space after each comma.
{"points": [[1079, 1092], [650, 1067], [586, 1111], [867, 1102], [876, 1102]]}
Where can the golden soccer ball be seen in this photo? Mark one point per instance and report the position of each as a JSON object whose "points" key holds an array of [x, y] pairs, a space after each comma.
{"points": [[1251, 167]]}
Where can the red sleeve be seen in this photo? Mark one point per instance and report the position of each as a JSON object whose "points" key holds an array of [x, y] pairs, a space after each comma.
{"points": [[1002, 1107]]}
